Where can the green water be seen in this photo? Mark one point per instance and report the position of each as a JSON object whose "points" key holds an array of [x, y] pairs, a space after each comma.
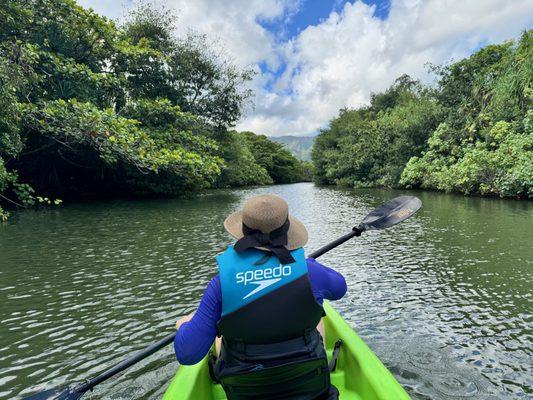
{"points": [[444, 299]]}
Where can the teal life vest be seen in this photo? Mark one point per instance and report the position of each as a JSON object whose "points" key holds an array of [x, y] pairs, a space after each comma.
{"points": [[248, 276], [264, 301], [271, 348]]}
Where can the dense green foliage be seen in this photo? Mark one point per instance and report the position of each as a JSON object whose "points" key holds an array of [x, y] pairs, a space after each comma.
{"points": [[369, 146], [279, 163], [471, 134], [91, 109]]}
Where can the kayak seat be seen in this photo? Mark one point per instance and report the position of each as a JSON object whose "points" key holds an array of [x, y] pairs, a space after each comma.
{"points": [[294, 381], [295, 369], [287, 381]]}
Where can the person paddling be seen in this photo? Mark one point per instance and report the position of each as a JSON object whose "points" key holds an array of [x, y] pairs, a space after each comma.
{"points": [[266, 306]]}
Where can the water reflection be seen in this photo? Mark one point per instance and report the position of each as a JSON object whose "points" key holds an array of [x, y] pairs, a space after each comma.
{"points": [[444, 299]]}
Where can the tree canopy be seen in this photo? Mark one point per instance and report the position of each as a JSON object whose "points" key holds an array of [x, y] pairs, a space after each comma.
{"points": [[89, 108], [472, 133]]}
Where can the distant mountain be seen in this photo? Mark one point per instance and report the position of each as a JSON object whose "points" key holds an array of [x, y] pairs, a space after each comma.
{"points": [[300, 146]]}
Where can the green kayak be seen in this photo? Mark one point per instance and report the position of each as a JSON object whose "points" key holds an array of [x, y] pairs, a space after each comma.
{"points": [[359, 374]]}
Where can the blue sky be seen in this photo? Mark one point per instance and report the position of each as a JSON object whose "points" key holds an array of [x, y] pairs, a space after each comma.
{"points": [[313, 57], [312, 12]]}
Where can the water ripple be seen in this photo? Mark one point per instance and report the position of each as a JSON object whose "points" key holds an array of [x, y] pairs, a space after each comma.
{"points": [[443, 299]]}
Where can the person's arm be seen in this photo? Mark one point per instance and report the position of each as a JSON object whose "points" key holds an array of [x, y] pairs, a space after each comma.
{"points": [[196, 333], [326, 283], [183, 319]]}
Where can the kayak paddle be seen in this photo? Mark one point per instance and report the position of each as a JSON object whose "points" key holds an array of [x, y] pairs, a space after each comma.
{"points": [[388, 214], [76, 391]]}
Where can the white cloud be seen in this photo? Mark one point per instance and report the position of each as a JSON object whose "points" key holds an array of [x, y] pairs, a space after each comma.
{"points": [[232, 24], [235, 24], [340, 61]]}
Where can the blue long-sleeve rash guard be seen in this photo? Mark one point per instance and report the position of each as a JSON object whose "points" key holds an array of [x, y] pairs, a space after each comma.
{"points": [[194, 338]]}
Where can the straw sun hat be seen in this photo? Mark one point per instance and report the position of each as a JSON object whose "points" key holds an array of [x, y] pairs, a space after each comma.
{"points": [[266, 213]]}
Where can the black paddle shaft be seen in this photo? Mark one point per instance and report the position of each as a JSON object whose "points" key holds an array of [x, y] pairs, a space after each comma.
{"points": [[354, 232], [88, 385], [75, 392]]}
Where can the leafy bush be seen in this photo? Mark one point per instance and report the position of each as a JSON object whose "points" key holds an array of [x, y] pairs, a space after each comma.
{"points": [[78, 128], [279, 163], [241, 167]]}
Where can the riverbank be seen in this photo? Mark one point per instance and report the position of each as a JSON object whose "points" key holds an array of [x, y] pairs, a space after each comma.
{"points": [[442, 299]]}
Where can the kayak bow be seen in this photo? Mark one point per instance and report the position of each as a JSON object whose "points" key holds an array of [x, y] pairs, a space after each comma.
{"points": [[359, 375]]}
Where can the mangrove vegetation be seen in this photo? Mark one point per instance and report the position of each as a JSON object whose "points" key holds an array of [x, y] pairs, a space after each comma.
{"points": [[91, 108], [471, 132]]}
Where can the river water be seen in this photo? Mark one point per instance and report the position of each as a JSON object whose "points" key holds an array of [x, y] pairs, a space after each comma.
{"points": [[444, 299]]}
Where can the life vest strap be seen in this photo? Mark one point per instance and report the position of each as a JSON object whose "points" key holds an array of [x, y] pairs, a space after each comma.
{"points": [[287, 349]]}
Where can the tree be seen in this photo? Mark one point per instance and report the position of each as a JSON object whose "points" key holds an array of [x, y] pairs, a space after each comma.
{"points": [[370, 146], [485, 144], [188, 71], [470, 134], [280, 164], [90, 109]]}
